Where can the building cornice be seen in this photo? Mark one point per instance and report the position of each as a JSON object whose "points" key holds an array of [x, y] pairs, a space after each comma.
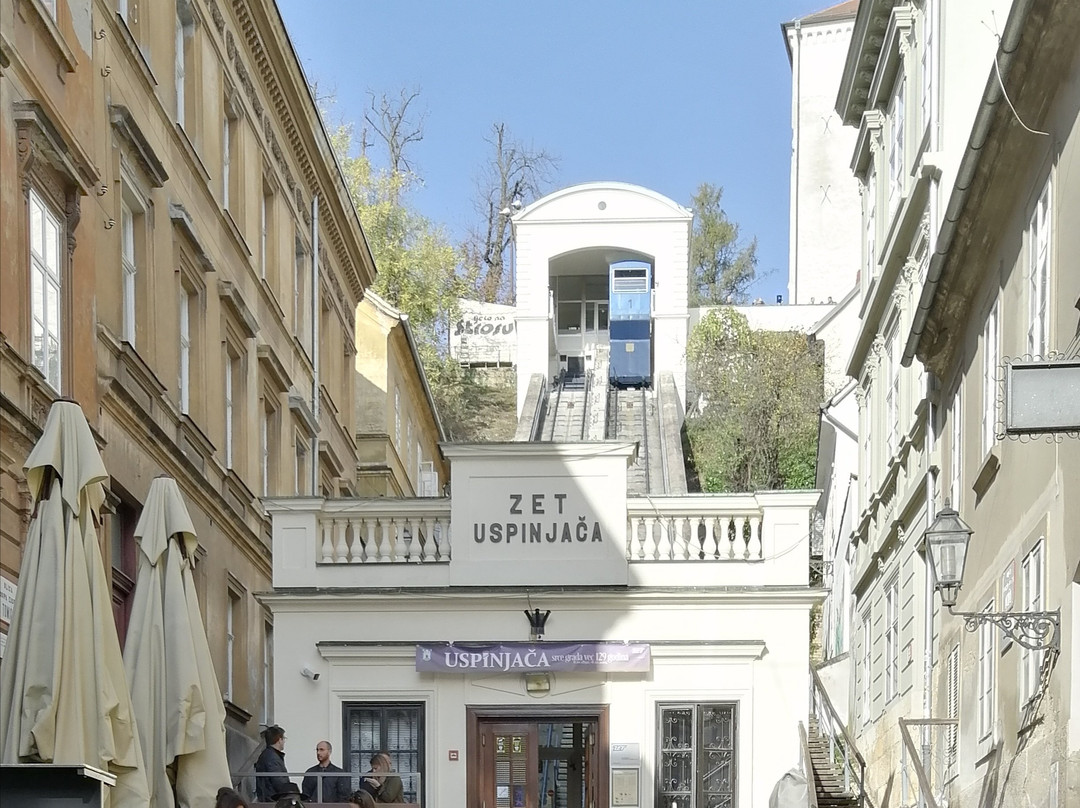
{"points": [[871, 22]]}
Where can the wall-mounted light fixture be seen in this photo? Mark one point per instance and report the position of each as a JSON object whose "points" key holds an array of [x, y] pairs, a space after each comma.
{"points": [[947, 544], [537, 621]]}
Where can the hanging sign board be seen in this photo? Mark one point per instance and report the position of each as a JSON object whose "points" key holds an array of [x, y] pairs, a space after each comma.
{"points": [[484, 334], [512, 657]]}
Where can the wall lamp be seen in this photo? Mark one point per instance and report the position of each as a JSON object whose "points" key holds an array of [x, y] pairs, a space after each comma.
{"points": [[537, 621], [947, 544]]}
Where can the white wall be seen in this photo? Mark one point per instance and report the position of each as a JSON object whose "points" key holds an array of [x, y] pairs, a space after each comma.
{"points": [[631, 218], [756, 655], [824, 249]]}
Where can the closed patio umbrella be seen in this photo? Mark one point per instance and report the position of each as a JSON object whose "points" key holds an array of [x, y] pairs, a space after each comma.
{"points": [[63, 694], [173, 685]]}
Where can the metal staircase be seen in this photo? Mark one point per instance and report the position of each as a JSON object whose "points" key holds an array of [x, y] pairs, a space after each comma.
{"points": [[839, 771], [829, 785]]}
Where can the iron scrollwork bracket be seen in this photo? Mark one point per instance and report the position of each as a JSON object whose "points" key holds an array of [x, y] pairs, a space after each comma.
{"points": [[1039, 631]]}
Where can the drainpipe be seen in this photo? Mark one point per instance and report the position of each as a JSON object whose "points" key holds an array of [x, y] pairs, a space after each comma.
{"points": [[965, 173], [793, 279], [928, 620], [316, 308]]}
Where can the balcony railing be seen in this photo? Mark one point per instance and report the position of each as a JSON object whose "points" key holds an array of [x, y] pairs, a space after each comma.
{"points": [[692, 528], [695, 540]]}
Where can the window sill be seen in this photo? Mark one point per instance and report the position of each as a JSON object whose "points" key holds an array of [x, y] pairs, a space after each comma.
{"points": [[987, 473], [237, 494], [193, 438], [192, 153], [271, 296], [136, 53], [236, 234], [236, 712], [66, 57]]}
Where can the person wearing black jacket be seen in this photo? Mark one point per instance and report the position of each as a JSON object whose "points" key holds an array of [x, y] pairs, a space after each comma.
{"points": [[272, 760], [334, 789]]}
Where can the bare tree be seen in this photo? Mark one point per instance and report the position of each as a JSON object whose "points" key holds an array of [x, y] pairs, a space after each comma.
{"points": [[514, 176], [390, 119]]}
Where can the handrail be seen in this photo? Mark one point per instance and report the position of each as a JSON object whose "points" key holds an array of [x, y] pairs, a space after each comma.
{"points": [[820, 696], [238, 778], [538, 413], [808, 768], [820, 687]]}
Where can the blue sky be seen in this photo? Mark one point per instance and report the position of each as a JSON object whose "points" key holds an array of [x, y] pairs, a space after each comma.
{"points": [[661, 93]]}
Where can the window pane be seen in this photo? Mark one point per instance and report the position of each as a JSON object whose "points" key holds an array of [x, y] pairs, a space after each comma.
{"points": [[394, 728], [36, 226], [570, 287], [570, 317], [52, 246], [596, 287]]}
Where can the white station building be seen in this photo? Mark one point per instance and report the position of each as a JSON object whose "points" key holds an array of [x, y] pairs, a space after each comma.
{"points": [[568, 629]]}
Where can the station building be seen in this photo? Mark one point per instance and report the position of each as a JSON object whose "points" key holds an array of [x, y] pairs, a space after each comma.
{"points": [[568, 627]]}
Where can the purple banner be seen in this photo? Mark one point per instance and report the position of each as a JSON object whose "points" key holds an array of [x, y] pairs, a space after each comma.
{"points": [[520, 657]]}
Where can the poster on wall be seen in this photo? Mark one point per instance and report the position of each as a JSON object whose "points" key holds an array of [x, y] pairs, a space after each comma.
{"points": [[484, 334]]}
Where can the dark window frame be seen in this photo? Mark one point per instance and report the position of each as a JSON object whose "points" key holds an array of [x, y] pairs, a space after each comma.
{"points": [[419, 709], [694, 795]]}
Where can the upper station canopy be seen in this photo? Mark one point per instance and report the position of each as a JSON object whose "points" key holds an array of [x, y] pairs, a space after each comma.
{"points": [[602, 201]]}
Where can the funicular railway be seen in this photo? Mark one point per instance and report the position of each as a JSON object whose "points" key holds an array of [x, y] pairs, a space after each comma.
{"points": [[608, 389]]}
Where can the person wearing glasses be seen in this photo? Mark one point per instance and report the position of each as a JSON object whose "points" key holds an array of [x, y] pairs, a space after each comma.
{"points": [[272, 760]]}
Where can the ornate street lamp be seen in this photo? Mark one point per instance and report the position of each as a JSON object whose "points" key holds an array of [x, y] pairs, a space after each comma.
{"points": [[946, 544]]}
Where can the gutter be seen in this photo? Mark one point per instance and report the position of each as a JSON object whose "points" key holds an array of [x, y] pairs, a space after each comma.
{"points": [[824, 408], [965, 175], [404, 318]]}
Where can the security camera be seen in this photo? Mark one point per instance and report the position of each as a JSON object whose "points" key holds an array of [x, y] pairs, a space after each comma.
{"points": [[309, 674]]}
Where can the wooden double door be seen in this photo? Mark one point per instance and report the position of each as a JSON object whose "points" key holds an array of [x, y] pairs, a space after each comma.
{"points": [[553, 760]]}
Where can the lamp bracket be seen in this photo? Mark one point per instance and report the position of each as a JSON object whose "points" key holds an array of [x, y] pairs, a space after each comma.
{"points": [[1038, 631]]}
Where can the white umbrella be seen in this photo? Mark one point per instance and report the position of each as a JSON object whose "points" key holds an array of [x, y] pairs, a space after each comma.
{"points": [[173, 685], [63, 695]]}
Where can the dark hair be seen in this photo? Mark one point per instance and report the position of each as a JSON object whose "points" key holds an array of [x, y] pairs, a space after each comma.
{"points": [[229, 798], [289, 801], [363, 799], [272, 734]]}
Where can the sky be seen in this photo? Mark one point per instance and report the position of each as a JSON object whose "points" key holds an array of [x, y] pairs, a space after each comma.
{"points": [[667, 94]]}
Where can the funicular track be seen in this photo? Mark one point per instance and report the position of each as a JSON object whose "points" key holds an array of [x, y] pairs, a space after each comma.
{"points": [[567, 410], [633, 416]]}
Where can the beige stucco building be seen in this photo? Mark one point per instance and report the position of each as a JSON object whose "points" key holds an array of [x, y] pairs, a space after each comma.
{"points": [[181, 257], [398, 430], [969, 260]]}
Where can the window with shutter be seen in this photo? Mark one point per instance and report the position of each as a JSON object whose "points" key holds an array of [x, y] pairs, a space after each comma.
{"points": [[398, 730], [952, 707], [1031, 661], [1039, 235], [987, 673]]}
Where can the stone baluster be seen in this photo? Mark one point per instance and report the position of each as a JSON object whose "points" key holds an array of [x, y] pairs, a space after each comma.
{"points": [[739, 545], [326, 528], [341, 549], [356, 544], [408, 537], [383, 548], [423, 539], [711, 543], [753, 548], [665, 538], [390, 533]]}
